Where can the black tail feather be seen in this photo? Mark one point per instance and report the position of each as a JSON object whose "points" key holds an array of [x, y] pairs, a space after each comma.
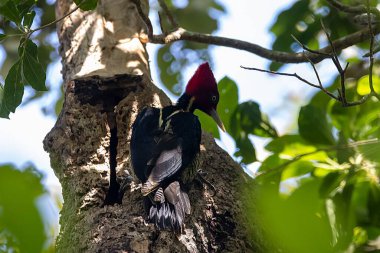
{"points": [[171, 213], [163, 215]]}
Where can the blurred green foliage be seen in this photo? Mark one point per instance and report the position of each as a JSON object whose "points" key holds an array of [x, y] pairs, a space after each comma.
{"points": [[21, 224], [323, 194], [318, 190]]}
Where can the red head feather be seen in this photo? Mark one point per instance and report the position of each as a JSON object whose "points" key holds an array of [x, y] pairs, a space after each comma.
{"points": [[202, 81], [203, 88]]}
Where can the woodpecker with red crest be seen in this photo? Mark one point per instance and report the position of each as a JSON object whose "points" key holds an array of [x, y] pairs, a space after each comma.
{"points": [[165, 145]]}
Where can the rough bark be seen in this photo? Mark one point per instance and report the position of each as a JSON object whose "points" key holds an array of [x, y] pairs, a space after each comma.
{"points": [[107, 81]]}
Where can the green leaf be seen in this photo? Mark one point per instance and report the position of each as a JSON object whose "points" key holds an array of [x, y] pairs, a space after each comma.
{"points": [[86, 5], [9, 10], [4, 112], [290, 145], [28, 46], [342, 117], [228, 92], [296, 169], [360, 236], [19, 215], [248, 119], [344, 154], [363, 85], [359, 200], [313, 126], [301, 214], [13, 88], [330, 183], [245, 118], [371, 151], [195, 17], [266, 129], [32, 69], [245, 150], [28, 19], [374, 203], [208, 124], [24, 6], [275, 66], [271, 162]]}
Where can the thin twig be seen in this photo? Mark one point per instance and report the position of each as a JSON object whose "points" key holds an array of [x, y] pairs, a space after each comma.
{"points": [[168, 14], [314, 68], [57, 20], [358, 102], [145, 18], [304, 47], [336, 62], [163, 30], [320, 83], [283, 74], [334, 55]]}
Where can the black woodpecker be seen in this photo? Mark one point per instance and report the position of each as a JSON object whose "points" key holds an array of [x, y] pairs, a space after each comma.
{"points": [[165, 145]]}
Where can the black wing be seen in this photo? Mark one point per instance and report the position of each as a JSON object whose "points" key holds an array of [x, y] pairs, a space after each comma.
{"points": [[159, 155], [143, 143], [175, 150], [159, 152]]}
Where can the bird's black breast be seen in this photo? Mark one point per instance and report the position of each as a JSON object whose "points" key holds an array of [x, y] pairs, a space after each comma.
{"points": [[155, 131]]}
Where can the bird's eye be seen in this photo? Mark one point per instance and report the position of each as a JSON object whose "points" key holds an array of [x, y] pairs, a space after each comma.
{"points": [[213, 98]]}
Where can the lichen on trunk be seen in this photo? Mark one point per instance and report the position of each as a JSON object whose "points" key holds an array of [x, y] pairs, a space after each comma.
{"points": [[107, 82]]}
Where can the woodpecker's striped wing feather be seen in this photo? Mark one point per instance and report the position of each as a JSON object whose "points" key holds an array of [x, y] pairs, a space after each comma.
{"points": [[167, 164]]}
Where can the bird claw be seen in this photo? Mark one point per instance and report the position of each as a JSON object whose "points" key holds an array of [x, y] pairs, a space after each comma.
{"points": [[201, 172], [123, 188], [201, 175]]}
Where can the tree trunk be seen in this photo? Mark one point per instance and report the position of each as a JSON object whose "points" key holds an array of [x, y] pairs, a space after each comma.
{"points": [[106, 83]]}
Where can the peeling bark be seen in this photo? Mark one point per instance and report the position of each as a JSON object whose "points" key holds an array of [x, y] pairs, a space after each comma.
{"points": [[107, 82]]}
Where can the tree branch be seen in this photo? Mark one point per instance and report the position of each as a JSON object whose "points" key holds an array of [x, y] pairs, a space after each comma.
{"points": [[145, 18], [168, 14], [358, 9], [57, 20], [277, 56]]}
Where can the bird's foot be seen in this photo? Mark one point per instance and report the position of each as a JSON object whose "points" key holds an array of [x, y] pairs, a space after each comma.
{"points": [[201, 175], [116, 191], [124, 186]]}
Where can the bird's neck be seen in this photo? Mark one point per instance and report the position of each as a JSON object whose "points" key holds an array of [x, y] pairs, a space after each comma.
{"points": [[186, 103]]}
